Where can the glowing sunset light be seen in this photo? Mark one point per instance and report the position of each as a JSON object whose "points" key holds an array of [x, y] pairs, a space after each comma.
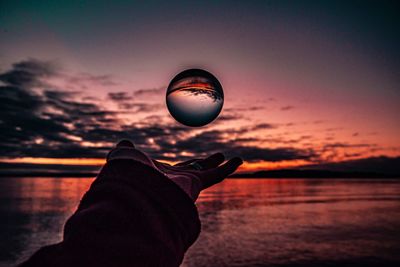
{"points": [[62, 161]]}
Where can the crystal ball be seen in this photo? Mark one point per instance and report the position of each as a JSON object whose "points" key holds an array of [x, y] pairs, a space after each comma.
{"points": [[195, 97]]}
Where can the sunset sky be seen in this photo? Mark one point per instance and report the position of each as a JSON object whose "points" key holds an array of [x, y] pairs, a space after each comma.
{"points": [[304, 82]]}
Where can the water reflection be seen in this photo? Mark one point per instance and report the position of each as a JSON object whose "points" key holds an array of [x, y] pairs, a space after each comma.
{"points": [[266, 222], [298, 223], [33, 212]]}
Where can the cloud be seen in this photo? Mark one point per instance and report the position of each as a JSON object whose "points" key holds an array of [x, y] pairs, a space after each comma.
{"points": [[213, 141], [266, 154], [263, 126], [249, 129], [247, 108], [347, 145], [136, 107], [29, 73], [58, 123], [126, 103], [147, 92], [85, 79], [285, 108], [45, 123], [119, 96], [229, 117]]}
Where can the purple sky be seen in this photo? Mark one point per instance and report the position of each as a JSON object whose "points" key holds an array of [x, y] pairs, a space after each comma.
{"points": [[315, 80]]}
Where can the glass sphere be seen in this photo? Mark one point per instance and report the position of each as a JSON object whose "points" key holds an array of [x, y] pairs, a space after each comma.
{"points": [[195, 97]]}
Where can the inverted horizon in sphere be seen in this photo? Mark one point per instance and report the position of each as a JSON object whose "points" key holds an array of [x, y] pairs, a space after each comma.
{"points": [[195, 97]]}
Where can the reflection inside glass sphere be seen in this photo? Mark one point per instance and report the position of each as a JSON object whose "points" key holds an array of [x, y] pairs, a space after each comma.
{"points": [[195, 97]]}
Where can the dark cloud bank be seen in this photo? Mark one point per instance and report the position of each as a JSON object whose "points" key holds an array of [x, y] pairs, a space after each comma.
{"points": [[53, 123], [37, 120]]}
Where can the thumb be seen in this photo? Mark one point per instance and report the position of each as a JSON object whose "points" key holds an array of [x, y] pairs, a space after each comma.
{"points": [[125, 143]]}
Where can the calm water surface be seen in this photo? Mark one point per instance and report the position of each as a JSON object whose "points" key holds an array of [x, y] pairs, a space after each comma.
{"points": [[257, 222]]}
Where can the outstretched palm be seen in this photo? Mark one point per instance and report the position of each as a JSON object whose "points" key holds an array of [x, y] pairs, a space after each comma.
{"points": [[196, 174], [209, 170]]}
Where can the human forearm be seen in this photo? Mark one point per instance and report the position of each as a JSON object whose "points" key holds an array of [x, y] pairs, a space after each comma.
{"points": [[131, 216]]}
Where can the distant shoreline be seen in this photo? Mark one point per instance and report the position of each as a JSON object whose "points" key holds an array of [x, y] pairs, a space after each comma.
{"points": [[48, 175], [375, 167], [276, 174], [314, 174]]}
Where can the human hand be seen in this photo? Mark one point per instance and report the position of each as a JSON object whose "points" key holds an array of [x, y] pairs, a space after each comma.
{"points": [[192, 176]]}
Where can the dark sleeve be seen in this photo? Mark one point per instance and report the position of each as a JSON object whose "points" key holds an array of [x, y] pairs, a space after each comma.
{"points": [[131, 216]]}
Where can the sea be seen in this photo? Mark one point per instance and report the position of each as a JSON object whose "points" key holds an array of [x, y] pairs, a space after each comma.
{"points": [[245, 222]]}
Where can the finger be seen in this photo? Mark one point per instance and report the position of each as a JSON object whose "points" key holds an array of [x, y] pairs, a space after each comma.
{"points": [[212, 161], [159, 163], [218, 174], [162, 166], [187, 162], [121, 144], [125, 143]]}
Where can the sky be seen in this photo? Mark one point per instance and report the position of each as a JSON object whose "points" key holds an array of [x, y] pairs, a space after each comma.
{"points": [[307, 82]]}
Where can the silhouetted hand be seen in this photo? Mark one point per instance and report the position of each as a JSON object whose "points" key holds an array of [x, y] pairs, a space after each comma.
{"points": [[192, 176], [144, 222]]}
